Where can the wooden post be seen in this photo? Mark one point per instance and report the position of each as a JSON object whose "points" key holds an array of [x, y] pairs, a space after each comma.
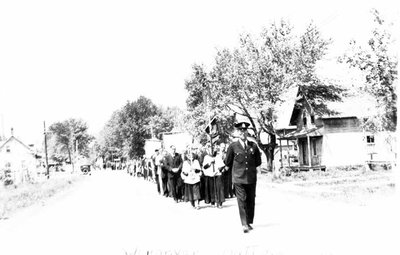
{"points": [[309, 150], [208, 109], [288, 151], [45, 150]]}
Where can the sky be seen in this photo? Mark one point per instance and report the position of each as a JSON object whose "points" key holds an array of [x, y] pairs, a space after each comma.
{"points": [[87, 58]]}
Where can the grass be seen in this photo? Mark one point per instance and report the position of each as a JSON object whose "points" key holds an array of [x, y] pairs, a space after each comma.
{"points": [[15, 197], [345, 184]]}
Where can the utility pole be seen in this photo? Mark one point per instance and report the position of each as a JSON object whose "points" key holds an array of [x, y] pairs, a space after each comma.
{"points": [[45, 150]]}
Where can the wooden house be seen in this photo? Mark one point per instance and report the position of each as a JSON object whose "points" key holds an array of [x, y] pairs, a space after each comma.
{"points": [[19, 160], [336, 140]]}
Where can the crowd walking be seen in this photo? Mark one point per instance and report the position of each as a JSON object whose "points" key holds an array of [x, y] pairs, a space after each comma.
{"points": [[206, 176]]}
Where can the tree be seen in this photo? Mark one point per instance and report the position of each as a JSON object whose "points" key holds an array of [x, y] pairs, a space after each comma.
{"points": [[252, 79], [318, 91], [200, 110], [166, 120], [134, 120], [378, 64], [70, 136], [129, 127]]}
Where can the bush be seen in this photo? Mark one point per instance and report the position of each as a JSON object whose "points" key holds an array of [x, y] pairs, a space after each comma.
{"points": [[7, 177]]}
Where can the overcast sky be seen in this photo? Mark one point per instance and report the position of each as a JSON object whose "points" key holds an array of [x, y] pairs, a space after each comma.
{"points": [[87, 58]]}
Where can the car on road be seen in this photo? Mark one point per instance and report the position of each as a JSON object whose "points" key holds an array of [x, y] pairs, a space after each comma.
{"points": [[86, 169]]}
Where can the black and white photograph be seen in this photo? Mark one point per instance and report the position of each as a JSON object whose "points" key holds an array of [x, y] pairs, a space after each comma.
{"points": [[187, 127]]}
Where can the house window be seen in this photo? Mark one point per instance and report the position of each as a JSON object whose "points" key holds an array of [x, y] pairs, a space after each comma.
{"points": [[312, 119], [8, 149], [304, 120], [370, 139]]}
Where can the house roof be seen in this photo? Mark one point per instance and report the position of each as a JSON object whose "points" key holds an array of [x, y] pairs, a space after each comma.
{"points": [[17, 140], [354, 106], [359, 106], [303, 133], [286, 109]]}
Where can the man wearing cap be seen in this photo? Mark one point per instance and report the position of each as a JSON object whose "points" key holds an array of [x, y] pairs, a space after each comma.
{"points": [[243, 157]]}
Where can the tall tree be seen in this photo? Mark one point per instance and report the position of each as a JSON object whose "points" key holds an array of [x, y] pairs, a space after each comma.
{"points": [[166, 119], [318, 91], [128, 128], [134, 121], [378, 63], [252, 79]]}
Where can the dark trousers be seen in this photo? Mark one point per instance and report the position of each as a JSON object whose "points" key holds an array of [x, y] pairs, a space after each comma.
{"points": [[164, 178], [246, 194], [158, 182], [180, 187], [228, 187], [214, 190], [172, 185]]}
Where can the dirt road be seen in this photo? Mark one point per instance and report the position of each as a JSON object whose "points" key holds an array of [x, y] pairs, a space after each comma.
{"points": [[111, 212]]}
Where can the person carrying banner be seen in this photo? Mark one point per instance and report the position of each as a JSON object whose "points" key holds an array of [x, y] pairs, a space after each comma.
{"points": [[243, 157]]}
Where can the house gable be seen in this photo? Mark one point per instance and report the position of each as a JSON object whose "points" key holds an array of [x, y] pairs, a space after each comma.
{"points": [[303, 115]]}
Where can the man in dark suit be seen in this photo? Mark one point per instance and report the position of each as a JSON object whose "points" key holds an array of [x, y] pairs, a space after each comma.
{"points": [[243, 157], [166, 164], [175, 174]]}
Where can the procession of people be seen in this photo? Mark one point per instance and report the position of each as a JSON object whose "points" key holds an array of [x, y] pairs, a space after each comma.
{"points": [[206, 175], [193, 176]]}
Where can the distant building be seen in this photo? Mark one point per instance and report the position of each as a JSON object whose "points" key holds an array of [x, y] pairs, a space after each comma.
{"points": [[19, 159]]}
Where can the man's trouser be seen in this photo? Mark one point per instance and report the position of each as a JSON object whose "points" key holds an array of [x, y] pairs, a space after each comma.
{"points": [[164, 178], [172, 185], [245, 194], [158, 183]]}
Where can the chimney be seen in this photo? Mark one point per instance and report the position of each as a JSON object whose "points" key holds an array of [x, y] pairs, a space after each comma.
{"points": [[12, 131]]}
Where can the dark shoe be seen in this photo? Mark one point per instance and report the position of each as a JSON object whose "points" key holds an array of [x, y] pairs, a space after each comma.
{"points": [[246, 229], [250, 227]]}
